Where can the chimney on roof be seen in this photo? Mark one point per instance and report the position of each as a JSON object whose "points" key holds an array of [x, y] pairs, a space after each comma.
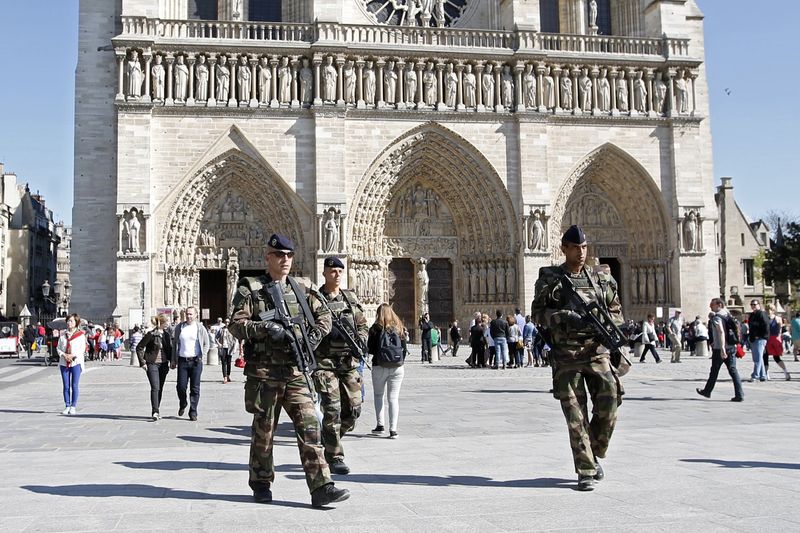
{"points": [[726, 183]]}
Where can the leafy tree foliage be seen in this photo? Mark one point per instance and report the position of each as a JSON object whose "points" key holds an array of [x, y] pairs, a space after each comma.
{"points": [[782, 262]]}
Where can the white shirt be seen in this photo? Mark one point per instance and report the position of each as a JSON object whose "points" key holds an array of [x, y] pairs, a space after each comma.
{"points": [[648, 332], [189, 346], [77, 349]]}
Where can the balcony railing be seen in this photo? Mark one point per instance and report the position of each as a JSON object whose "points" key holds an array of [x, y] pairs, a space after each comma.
{"points": [[377, 37]]}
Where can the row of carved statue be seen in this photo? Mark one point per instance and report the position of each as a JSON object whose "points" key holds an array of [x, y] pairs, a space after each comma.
{"points": [[493, 281], [250, 80], [649, 284]]}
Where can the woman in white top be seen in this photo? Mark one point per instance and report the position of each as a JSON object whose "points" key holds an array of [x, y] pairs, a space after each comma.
{"points": [[514, 336], [700, 338], [71, 351], [649, 338]]}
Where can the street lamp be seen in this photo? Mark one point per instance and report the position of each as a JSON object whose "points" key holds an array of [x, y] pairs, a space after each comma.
{"points": [[56, 288]]}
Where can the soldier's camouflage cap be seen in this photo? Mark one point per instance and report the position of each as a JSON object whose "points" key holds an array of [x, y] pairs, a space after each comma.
{"points": [[574, 235], [333, 262], [281, 243]]}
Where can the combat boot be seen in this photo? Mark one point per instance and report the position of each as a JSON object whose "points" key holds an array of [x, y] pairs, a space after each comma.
{"points": [[338, 467], [262, 495], [328, 494], [585, 483], [600, 474]]}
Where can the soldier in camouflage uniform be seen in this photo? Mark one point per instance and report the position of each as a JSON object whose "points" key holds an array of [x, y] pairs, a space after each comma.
{"points": [[274, 380], [579, 360], [337, 378]]}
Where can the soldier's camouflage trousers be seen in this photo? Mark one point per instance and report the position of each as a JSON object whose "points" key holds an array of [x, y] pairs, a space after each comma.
{"points": [[340, 395], [265, 399], [588, 438]]}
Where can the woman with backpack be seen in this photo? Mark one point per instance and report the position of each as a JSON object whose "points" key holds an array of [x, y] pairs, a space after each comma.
{"points": [[154, 352], [386, 343]]}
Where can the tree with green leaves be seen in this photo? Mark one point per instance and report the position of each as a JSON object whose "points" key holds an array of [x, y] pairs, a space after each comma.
{"points": [[782, 262]]}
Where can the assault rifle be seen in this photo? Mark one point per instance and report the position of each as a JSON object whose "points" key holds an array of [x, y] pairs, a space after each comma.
{"points": [[301, 345], [348, 333], [595, 315]]}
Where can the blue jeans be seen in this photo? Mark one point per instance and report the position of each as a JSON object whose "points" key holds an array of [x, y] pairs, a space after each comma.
{"points": [[501, 351], [189, 372], [757, 348], [716, 363], [70, 378]]}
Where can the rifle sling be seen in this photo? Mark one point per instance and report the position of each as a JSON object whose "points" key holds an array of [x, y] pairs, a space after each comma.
{"points": [[302, 300]]}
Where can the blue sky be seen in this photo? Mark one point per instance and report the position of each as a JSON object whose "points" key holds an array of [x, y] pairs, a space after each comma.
{"points": [[748, 52]]}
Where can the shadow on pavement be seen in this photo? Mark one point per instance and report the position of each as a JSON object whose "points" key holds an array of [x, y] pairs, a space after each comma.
{"points": [[510, 391], [112, 417], [144, 491], [183, 465], [214, 440], [239, 431], [24, 412], [745, 464], [456, 481]]}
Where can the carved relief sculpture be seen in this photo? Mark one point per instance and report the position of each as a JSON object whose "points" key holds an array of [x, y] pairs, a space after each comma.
{"points": [[284, 81], [201, 74], [640, 93], [349, 75], [659, 93], [549, 90], [157, 76], [389, 83], [329, 76], [411, 83], [330, 232], [264, 81], [181, 80], [622, 93], [529, 80], [423, 282], [566, 92], [469, 86], [451, 86], [585, 84], [690, 231], [488, 86], [593, 16], [604, 92], [537, 232], [223, 79], [135, 79], [429, 84], [243, 79], [681, 94], [368, 78], [306, 82], [507, 81], [131, 226]]}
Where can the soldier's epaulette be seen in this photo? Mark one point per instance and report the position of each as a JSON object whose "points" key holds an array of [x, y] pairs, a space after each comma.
{"points": [[550, 272], [351, 298], [253, 283]]}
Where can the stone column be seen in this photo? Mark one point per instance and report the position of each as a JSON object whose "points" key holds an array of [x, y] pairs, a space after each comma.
{"points": [[121, 75], [693, 76], [518, 68], [671, 108], [460, 92], [169, 81], [576, 94], [233, 66], [379, 104], [212, 80], [612, 79], [342, 234], [295, 64], [317, 62], [648, 76], [539, 87], [631, 92], [498, 88], [148, 58], [273, 63], [440, 105], [254, 82], [556, 71], [420, 99], [360, 104], [190, 60], [479, 86], [595, 72], [399, 92], [339, 82]]}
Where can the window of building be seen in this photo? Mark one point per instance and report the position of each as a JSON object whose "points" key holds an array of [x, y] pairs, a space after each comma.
{"points": [[604, 17], [749, 272], [548, 12], [742, 239], [764, 238], [264, 10], [202, 9]]}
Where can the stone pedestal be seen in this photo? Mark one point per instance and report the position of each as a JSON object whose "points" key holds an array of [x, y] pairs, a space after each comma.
{"points": [[212, 359]]}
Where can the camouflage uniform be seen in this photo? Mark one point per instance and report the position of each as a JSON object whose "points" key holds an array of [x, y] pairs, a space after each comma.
{"points": [[274, 381], [337, 378], [580, 362]]}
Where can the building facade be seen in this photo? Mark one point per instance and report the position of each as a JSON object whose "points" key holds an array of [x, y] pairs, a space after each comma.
{"points": [[438, 148]]}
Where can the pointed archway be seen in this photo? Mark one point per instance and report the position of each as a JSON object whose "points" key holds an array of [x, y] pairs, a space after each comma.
{"points": [[625, 218], [433, 195]]}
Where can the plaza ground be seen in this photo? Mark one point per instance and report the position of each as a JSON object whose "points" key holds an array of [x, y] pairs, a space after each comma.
{"points": [[478, 450]]}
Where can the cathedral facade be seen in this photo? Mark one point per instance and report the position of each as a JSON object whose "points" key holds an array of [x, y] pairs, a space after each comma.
{"points": [[438, 147]]}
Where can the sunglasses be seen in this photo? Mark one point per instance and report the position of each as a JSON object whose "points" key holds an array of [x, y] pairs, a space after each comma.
{"points": [[283, 254]]}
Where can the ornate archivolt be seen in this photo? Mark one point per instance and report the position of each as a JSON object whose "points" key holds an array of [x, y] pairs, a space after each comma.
{"points": [[419, 199], [622, 212], [221, 217]]}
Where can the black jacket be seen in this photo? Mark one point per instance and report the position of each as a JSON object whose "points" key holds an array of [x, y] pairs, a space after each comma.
{"points": [[759, 325], [374, 343], [455, 335], [425, 327], [153, 341], [498, 328], [476, 336]]}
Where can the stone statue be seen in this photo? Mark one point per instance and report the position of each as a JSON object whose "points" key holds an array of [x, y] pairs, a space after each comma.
{"points": [[423, 282], [329, 76], [681, 94], [659, 93], [501, 282], [181, 80], [157, 75], [549, 89], [622, 92], [640, 93], [167, 290], [201, 74], [330, 233], [236, 10], [284, 81], [529, 81], [537, 233], [440, 14], [413, 8], [134, 71], [223, 79], [585, 85], [132, 226], [411, 84], [507, 81], [390, 83], [451, 86], [488, 86], [604, 92], [690, 232], [593, 14], [243, 79], [368, 80], [642, 285], [469, 86], [349, 74], [566, 92], [306, 82], [429, 84], [264, 81]]}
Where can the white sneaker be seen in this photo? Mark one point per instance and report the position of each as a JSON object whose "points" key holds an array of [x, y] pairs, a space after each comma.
{"points": [[72, 410], [65, 411], [156, 417]]}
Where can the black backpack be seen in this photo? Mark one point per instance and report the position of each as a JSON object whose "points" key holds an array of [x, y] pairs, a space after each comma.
{"points": [[732, 331], [390, 349]]}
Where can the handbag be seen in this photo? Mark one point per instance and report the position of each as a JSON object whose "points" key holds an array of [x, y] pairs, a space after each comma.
{"points": [[239, 363], [739, 351], [520, 344]]}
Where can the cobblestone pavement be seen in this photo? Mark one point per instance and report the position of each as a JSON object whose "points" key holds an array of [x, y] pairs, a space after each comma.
{"points": [[478, 450]]}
